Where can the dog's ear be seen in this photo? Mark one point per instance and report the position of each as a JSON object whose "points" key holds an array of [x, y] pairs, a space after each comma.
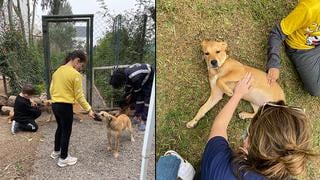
{"points": [[204, 43], [224, 45], [101, 113]]}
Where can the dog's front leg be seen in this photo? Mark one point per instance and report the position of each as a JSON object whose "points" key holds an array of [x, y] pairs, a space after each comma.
{"points": [[50, 117], [109, 140], [223, 86], [232, 76], [80, 115], [117, 139], [215, 97]]}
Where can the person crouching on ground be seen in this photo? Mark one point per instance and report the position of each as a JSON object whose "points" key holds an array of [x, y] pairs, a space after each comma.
{"points": [[137, 80], [25, 112]]}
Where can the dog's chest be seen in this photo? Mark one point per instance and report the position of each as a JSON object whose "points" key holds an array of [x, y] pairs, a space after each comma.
{"points": [[213, 80], [115, 126]]}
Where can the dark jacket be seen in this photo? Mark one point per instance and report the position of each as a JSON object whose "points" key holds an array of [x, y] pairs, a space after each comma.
{"points": [[23, 111], [137, 76]]}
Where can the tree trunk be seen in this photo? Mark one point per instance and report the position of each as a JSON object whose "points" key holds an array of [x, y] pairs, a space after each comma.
{"points": [[3, 15], [17, 9], [29, 25], [10, 14], [56, 7], [33, 15]]}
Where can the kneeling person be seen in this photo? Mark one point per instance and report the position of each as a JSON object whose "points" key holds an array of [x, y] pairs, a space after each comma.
{"points": [[25, 112]]}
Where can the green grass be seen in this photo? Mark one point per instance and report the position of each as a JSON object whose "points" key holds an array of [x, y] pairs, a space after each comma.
{"points": [[182, 82]]}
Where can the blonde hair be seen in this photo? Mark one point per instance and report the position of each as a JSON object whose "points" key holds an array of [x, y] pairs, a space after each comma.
{"points": [[279, 140]]}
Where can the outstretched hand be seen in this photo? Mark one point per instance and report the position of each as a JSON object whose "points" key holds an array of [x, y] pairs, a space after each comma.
{"points": [[91, 114], [273, 75], [244, 85]]}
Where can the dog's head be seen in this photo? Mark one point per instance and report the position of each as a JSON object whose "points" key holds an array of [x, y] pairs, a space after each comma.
{"points": [[214, 53], [46, 103], [104, 115]]}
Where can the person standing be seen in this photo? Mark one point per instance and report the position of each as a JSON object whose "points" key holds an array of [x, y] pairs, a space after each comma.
{"points": [[65, 90]]}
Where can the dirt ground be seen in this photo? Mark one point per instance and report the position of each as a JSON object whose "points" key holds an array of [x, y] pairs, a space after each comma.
{"points": [[27, 155]]}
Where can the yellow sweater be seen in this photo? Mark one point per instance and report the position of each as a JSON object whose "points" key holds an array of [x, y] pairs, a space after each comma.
{"points": [[66, 87], [302, 25]]}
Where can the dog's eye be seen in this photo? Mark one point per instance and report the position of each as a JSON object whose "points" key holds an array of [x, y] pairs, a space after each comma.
{"points": [[217, 51], [206, 53]]}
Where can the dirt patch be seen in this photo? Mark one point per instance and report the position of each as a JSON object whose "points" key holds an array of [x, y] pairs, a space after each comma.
{"points": [[17, 152], [27, 155]]}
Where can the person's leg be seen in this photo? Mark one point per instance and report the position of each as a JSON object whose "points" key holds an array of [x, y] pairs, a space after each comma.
{"points": [[64, 116], [139, 105], [30, 126], [36, 115], [307, 63], [57, 137], [66, 127], [167, 168], [146, 93]]}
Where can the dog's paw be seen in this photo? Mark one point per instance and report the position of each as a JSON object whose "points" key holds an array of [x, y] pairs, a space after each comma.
{"points": [[115, 154], [191, 124], [229, 93], [108, 148], [132, 139]]}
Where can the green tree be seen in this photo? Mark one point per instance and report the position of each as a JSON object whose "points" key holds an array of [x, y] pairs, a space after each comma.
{"points": [[61, 37], [18, 61]]}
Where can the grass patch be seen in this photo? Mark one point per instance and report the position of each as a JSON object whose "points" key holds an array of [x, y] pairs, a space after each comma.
{"points": [[182, 82]]}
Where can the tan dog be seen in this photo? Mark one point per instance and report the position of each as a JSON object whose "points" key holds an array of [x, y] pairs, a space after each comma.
{"points": [[9, 111], [225, 72], [115, 127]]}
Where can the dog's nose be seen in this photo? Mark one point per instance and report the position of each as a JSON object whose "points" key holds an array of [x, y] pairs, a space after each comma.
{"points": [[214, 63]]}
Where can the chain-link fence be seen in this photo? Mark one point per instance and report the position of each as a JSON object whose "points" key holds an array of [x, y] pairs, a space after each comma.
{"points": [[21, 51]]}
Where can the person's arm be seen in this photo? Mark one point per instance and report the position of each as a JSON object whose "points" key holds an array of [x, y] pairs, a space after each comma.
{"points": [[79, 96], [24, 106], [299, 18], [221, 122], [274, 43], [127, 90]]}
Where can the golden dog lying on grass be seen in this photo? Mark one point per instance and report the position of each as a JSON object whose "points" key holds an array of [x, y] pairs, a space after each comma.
{"points": [[224, 72], [115, 127]]}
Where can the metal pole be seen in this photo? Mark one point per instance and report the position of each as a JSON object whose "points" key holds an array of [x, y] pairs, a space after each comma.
{"points": [[148, 136], [91, 58], [46, 49]]}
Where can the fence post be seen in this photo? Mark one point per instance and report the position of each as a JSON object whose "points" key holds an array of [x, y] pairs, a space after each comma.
{"points": [[148, 136]]}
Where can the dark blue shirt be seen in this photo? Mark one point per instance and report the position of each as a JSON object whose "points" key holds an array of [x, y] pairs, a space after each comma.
{"points": [[216, 162]]}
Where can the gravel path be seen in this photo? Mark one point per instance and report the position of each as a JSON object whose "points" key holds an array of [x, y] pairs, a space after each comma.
{"points": [[88, 143]]}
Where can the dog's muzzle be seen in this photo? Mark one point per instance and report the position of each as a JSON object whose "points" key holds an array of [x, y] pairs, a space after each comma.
{"points": [[97, 117], [214, 63]]}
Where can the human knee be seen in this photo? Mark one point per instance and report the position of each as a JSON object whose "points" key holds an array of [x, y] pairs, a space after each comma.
{"points": [[315, 92]]}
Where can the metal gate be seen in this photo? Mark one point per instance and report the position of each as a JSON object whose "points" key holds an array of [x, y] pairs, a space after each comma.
{"points": [[88, 19]]}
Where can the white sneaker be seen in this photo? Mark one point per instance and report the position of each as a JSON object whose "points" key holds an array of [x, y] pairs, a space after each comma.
{"points": [[186, 170], [55, 154], [14, 127], [69, 161]]}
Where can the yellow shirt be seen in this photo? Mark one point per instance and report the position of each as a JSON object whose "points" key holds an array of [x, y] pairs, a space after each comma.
{"points": [[302, 25], [66, 87]]}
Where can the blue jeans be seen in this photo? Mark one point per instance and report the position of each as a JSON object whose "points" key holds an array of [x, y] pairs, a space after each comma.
{"points": [[167, 168]]}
